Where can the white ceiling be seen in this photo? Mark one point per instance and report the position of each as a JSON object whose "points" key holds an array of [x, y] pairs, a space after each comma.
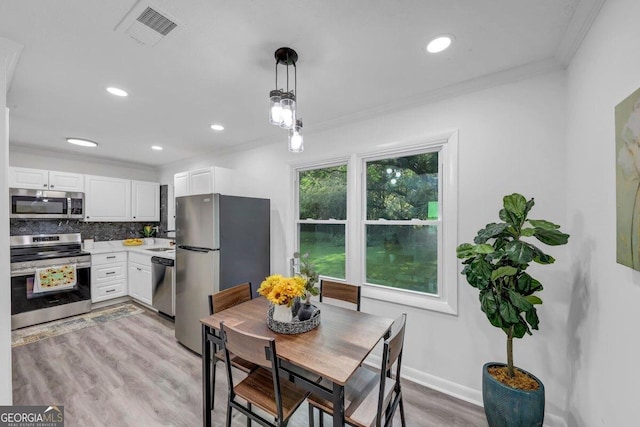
{"points": [[356, 57]]}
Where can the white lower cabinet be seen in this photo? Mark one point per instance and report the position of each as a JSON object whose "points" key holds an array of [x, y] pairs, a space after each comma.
{"points": [[140, 285], [108, 276]]}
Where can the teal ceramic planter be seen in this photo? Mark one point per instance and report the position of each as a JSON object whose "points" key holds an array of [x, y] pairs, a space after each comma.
{"points": [[509, 407]]}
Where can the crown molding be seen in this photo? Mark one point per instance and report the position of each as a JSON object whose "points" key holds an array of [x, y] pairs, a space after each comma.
{"points": [[578, 28], [11, 52]]}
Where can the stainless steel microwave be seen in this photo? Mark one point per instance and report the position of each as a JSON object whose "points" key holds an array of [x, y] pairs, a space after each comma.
{"points": [[45, 204]]}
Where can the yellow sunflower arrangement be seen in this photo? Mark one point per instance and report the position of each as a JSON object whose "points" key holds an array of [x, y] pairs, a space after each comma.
{"points": [[282, 290]]}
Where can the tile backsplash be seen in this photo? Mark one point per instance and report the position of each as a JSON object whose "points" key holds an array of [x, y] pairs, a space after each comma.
{"points": [[100, 231]]}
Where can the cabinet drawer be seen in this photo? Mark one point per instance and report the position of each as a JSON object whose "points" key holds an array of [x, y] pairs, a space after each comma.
{"points": [[140, 258], [111, 290], [106, 273], [99, 259]]}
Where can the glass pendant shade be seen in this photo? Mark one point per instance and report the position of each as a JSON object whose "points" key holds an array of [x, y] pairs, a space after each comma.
{"points": [[296, 141], [275, 109], [288, 104]]}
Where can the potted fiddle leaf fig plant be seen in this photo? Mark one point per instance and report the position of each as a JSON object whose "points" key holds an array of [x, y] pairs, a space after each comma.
{"points": [[496, 264]]}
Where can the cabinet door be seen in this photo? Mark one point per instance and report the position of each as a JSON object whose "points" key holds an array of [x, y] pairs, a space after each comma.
{"points": [[36, 179], [201, 181], [140, 282], [134, 280], [181, 184], [145, 201], [107, 199], [65, 181]]}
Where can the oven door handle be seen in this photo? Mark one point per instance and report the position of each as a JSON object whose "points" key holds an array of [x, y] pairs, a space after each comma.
{"points": [[32, 271]]}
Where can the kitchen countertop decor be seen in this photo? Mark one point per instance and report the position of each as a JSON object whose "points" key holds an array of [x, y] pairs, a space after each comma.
{"points": [[161, 248]]}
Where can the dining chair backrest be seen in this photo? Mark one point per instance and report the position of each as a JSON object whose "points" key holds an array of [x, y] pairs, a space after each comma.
{"points": [[229, 297], [391, 354], [254, 348], [395, 343], [340, 291]]}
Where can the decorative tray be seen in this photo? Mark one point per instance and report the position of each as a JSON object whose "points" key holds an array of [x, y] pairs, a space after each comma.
{"points": [[294, 327], [132, 242]]}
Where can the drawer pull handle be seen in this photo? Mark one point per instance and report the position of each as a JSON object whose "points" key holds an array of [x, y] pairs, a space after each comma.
{"points": [[110, 290], [110, 272], [111, 257]]}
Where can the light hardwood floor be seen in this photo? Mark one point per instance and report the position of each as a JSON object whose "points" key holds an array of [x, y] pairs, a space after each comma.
{"points": [[132, 372]]}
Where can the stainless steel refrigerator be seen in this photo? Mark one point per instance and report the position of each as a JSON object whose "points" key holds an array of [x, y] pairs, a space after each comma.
{"points": [[221, 241]]}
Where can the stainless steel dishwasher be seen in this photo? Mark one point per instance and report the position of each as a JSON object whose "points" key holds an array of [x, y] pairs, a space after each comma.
{"points": [[164, 290]]}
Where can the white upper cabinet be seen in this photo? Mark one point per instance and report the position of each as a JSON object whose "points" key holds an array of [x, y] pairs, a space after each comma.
{"points": [[115, 199], [41, 179], [145, 201], [203, 181], [181, 184], [107, 199]]}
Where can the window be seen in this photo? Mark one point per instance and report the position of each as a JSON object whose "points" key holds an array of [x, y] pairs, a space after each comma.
{"points": [[322, 218], [399, 237], [401, 222]]}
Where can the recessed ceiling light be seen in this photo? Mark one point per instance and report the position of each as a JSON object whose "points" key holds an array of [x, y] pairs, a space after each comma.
{"points": [[82, 142], [117, 91], [440, 43], [156, 147], [217, 127]]}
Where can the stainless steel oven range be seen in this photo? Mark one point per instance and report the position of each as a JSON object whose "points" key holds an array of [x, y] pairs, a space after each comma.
{"points": [[32, 303]]}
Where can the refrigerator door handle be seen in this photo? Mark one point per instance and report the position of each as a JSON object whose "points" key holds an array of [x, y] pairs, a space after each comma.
{"points": [[195, 249]]}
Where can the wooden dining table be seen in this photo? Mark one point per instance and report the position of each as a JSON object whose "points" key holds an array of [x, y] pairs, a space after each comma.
{"points": [[334, 350]]}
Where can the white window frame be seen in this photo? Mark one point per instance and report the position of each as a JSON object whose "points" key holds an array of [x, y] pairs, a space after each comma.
{"points": [[296, 207], [446, 300], [446, 143]]}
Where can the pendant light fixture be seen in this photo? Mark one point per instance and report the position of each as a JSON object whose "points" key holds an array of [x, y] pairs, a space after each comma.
{"points": [[282, 102], [296, 142]]}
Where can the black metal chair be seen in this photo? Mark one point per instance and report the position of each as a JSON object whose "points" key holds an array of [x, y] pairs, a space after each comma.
{"points": [[219, 301], [262, 387], [371, 398], [340, 291]]}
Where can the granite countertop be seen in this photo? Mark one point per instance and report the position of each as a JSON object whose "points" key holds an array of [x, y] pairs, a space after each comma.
{"points": [[117, 246]]}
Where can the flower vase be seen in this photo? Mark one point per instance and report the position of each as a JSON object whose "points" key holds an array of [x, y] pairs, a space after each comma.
{"points": [[282, 313]]}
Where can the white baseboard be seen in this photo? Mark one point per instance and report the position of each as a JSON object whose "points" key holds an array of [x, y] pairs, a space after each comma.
{"points": [[455, 390]]}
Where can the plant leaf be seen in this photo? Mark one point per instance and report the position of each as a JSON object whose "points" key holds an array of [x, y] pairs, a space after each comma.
{"points": [[515, 204], [520, 328], [490, 231], [519, 252], [519, 301], [551, 237], [484, 249], [544, 224], [478, 273], [533, 299], [488, 302], [532, 318], [527, 232], [506, 270], [508, 312], [526, 285], [465, 250]]}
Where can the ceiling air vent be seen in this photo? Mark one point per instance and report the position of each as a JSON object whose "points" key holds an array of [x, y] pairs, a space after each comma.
{"points": [[156, 21], [146, 24]]}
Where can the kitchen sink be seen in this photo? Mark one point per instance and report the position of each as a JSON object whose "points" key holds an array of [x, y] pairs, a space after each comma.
{"points": [[161, 249]]}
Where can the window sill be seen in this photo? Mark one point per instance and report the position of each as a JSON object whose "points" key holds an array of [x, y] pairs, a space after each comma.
{"points": [[409, 298]]}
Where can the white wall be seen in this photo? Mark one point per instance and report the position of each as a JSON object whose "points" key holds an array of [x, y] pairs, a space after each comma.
{"points": [[65, 162], [511, 140], [602, 334], [5, 290]]}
